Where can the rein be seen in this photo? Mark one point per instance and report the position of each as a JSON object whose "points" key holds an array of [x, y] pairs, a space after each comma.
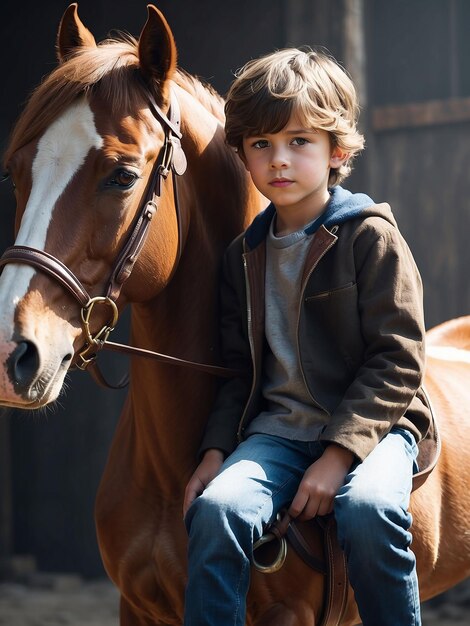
{"points": [[170, 160]]}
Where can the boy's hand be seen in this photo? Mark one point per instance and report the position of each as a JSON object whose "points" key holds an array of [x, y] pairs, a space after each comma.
{"points": [[205, 472], [321, 483]]}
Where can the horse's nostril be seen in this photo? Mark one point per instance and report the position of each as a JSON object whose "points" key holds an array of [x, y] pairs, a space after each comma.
{"points": [[24, 362]]}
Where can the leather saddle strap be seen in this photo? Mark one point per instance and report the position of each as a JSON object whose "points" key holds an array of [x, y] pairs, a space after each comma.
{"points": [[336, 594], [420, 477], [334, 567], [303, 550]]}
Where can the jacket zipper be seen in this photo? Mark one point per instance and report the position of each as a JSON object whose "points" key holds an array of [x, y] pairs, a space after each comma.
{"points": [[252, 348], [251, 341], [310, 272]]}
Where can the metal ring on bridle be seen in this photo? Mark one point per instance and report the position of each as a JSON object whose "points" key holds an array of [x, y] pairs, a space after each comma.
{"points": [[95, 342], [278, 561]]}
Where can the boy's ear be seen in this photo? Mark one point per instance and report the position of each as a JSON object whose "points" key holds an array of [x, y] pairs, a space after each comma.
{"points": [[338, 157], [242, 157]]}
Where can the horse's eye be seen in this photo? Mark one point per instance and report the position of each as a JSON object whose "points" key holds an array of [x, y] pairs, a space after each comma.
{"points": [[123, 179]]}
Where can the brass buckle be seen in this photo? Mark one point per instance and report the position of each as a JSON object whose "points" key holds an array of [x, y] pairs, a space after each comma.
{"points": [[93, 343]]}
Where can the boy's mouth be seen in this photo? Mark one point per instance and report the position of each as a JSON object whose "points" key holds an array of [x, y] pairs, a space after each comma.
{"points": [[280, 182]]}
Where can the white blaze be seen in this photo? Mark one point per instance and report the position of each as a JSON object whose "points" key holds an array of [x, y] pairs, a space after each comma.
{"points": [[61, 152]]}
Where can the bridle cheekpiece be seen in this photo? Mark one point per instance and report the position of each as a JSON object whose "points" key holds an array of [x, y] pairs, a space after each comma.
{"points": [[171, 159]]}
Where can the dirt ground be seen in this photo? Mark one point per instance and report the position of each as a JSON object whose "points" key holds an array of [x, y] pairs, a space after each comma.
{"points": [[59, 601], [65, 600], [449, 609]]}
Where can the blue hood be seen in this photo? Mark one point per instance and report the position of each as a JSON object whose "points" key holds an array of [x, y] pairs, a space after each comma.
{"points": [[343, 206]]}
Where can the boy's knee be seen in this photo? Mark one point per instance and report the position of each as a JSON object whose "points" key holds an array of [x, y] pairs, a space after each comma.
{"points": [[355, 512], [369, 518], [211, 509]]}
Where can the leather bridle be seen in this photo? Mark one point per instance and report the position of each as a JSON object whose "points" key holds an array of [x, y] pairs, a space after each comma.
{"points": [[171, 159]]}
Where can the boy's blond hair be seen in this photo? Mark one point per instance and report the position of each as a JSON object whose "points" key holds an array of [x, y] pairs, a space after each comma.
{"points": [[309, 83]]}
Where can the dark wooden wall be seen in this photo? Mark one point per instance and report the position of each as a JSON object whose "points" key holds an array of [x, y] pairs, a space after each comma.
{"points": [[415, 53], [419, 138]]}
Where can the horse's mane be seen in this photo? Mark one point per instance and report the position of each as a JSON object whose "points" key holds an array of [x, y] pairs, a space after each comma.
{"points": [[202, 91], [110, 70]]}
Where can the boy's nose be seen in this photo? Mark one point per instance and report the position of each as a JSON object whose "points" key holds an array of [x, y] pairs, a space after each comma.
{"points": [[279, 158], [279, 161]]}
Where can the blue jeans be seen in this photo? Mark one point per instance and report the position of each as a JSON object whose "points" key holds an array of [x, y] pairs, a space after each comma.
{"points": [[260, 478]]}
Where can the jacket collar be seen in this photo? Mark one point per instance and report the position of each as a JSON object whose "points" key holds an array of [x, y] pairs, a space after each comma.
{"points": [[343, 206]]}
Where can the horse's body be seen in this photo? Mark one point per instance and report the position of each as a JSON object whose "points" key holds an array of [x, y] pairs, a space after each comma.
{"points": [[81, 157]]}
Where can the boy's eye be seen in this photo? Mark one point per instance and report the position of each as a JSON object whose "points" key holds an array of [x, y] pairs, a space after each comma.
{"points": [[260, 143], [299, 141]]}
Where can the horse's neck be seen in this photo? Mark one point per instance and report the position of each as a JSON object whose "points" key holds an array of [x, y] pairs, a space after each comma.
{"points": [[169, 404]]}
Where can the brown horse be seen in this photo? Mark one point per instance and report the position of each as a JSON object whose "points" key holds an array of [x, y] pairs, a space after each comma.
{"points": [[85, 157]]}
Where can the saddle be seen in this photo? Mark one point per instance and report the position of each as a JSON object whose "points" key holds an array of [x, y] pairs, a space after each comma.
{"points": [[316, 541]]}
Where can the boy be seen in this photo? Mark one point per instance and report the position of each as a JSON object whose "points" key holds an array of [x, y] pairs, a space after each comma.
{"points": [[322, 304]]}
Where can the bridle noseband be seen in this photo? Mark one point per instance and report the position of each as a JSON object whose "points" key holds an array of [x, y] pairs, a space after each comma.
{"points": [[171, 159]]}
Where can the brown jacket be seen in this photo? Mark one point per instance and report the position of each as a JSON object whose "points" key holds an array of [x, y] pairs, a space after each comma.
{"points": [[360, 333]]}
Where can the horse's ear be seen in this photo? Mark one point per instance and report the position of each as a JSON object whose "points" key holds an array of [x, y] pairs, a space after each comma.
{"points": [[72, 34], [157, 51]]}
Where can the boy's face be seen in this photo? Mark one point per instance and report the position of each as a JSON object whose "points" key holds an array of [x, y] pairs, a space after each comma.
{"points": [[291, 167]]}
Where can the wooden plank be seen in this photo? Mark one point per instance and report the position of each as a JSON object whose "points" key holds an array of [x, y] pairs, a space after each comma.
{"points": [[355, 47], [417, 114], [424, 176]]}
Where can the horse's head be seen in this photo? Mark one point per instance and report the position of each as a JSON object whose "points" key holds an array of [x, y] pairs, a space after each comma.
{"points": [[84, 160]]}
